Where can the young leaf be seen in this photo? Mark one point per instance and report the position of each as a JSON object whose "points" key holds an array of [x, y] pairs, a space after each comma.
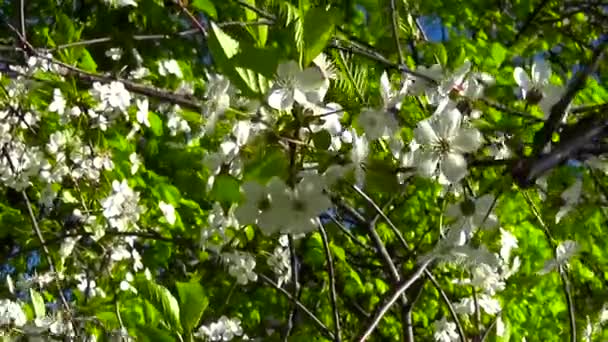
{"points": [[193, 303], [162, 299], [205, 6], [318, 28], [37, 303]]}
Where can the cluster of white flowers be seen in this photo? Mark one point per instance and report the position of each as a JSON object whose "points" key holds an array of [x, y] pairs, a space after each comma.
{"points": [[19, 164], [279, 208], [279, 261], [175, 122], [214, 235], [169, 67], [241, 266], [121, 208], [445, 331], [225, 329], [88, 286], [168, 212], [111, 97], [11, 314], [227, 157], [565, 251]]}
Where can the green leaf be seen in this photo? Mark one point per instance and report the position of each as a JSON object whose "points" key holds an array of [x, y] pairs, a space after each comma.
{"points": [[86, 62], [261, 60], [318, 28], [228, 45], [37, 303], [169, 193], [156, 124], [226, 189], [272, 162], [193, 303], [152, 334], [322, 139], [162, 299], [205, 6], [498, 53]]}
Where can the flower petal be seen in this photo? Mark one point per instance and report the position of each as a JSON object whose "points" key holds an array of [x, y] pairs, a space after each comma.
{"points": [[521, 78], [541, 72], [287, 69], [467, 140], [310, 79], [385, 88], [454, 167], [424, 133], [426, 162], [281, 99], [448, 122]]}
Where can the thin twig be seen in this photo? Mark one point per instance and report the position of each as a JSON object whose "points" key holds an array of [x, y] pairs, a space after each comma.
{"points": [[332, 282], [383, 215], [324, 329], [382, 310], [562, 273], [192, 18], [394, 22]]}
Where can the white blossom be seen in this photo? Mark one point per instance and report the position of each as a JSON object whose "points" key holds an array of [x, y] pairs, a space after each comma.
{"points": [[445, 331], [225, 329], [11, 313], [121, 208], [168, 212], [169, 67], [563, 253], [443, 142], [241, 266], [142, 112], [114, 53], [571, 197], [292, 85], [538, 89], [58, 105]]}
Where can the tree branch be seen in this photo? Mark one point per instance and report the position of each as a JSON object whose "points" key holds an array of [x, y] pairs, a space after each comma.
{"points": [[332, 283]]}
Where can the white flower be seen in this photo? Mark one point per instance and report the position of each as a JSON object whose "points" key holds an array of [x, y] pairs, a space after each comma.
{"points": [[126, 285], [225, 329], [112, 96], [377, 124], [358, 155], [391, 99], [292, 84], [218, 94], [475, 214], [307, 201], [443, 142], [168, 211], [563, 253], [142, 112], [490, 305], [571, 197], [135, 162], [11, 313], [169, 67], [538, 89], [121, 208], [241, 267], [279, 262], [507, 243], [121, 3], [445, 331], [58, 104], [114, 53]]}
